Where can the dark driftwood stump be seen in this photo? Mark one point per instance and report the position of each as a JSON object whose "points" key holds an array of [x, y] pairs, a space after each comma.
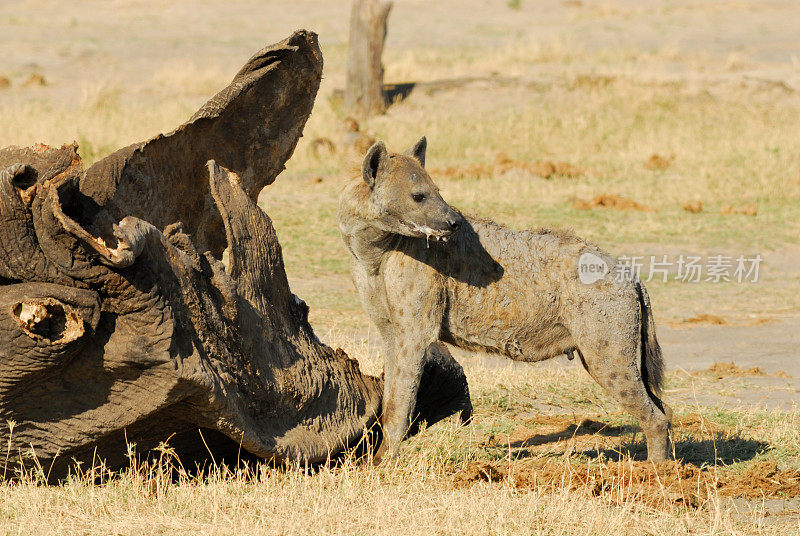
{"points": [[119, 324], [364, 89]]}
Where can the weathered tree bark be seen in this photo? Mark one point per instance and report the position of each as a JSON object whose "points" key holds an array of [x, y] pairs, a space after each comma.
{"points": [[364, 89], [119, 324]]}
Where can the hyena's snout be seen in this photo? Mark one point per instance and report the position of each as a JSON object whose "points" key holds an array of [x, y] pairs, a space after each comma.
{"points": [[454, 221], [449, 222], [439, 220]]}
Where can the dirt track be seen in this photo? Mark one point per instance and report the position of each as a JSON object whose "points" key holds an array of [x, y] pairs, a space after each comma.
{"points": [[750, 41], [772, 347]]}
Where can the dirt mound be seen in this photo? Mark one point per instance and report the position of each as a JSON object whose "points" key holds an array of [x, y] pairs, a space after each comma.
{"points": [[763, 479], [697, 424], [705, 318], [722, 370], [657, 485], [612, 201], [540, 460], [654, 484], [34, 80], [478, 472], [695, 207], [714, 320], [542, 168], [744, 210], [657, 162], [503, 164]]}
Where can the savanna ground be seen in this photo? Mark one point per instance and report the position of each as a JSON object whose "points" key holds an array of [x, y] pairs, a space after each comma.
{"points": [[712, 88]]}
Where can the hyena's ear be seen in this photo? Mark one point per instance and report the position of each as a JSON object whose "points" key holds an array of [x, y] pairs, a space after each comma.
{"points": [[375, 156], [418, 151]]}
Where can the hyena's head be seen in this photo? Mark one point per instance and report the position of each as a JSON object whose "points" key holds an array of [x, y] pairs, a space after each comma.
{"points": [[407, 201]]}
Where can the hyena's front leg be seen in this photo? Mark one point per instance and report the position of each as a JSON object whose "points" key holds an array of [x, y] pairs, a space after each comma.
{"points": [[372, 292], [400, 395], [416, 321]]}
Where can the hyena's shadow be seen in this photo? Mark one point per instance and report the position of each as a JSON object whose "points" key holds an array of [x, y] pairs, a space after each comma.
{"points": [[463, 257], [719, 449], [699, 451]]}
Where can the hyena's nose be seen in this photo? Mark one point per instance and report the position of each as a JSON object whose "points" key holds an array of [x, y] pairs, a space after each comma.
{"points": [[455, 223]]}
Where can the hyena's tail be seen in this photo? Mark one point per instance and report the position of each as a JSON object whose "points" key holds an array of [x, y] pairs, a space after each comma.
{"points": [[652, 361]]}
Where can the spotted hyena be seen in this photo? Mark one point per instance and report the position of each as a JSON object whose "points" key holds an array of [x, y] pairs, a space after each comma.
{"points": [[426, 274]]}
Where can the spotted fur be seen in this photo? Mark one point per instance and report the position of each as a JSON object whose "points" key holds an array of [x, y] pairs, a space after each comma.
{"points": [[426, 275]]}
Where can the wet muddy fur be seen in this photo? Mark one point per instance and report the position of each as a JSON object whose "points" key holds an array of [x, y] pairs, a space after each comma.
{"points": [[428, 275]]}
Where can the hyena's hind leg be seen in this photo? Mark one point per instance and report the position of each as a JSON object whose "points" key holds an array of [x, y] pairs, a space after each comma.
{"points": [[610, 350]]}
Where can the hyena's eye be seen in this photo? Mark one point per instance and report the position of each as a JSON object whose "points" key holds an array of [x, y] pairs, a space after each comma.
{"points": [[418, 197]]}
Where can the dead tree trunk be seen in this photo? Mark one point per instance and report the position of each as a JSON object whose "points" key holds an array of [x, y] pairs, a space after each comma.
{"points": [[118, 322], [364, 90]]}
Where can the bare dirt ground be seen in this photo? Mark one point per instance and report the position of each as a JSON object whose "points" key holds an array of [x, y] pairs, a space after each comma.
{"points": [[752, 41]]}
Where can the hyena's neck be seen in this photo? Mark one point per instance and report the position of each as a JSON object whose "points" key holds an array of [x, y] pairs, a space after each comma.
{"points": [[368, 244]]}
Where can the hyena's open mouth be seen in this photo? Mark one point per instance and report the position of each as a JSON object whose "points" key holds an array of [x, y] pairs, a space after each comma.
{"points": [[428, 232]]}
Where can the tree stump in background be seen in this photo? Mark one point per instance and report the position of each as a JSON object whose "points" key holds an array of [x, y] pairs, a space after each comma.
{"points": [[364, 91]]}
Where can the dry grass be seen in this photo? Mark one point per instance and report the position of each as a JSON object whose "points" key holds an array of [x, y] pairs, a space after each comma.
{"points": [[349, 500]]}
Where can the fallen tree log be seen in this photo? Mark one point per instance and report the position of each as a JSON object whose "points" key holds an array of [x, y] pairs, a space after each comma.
{"points": [[119, 323]]}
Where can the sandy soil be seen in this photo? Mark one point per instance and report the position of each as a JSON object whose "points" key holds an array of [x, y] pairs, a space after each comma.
{"points": [[126, 41], [772, 347]]}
